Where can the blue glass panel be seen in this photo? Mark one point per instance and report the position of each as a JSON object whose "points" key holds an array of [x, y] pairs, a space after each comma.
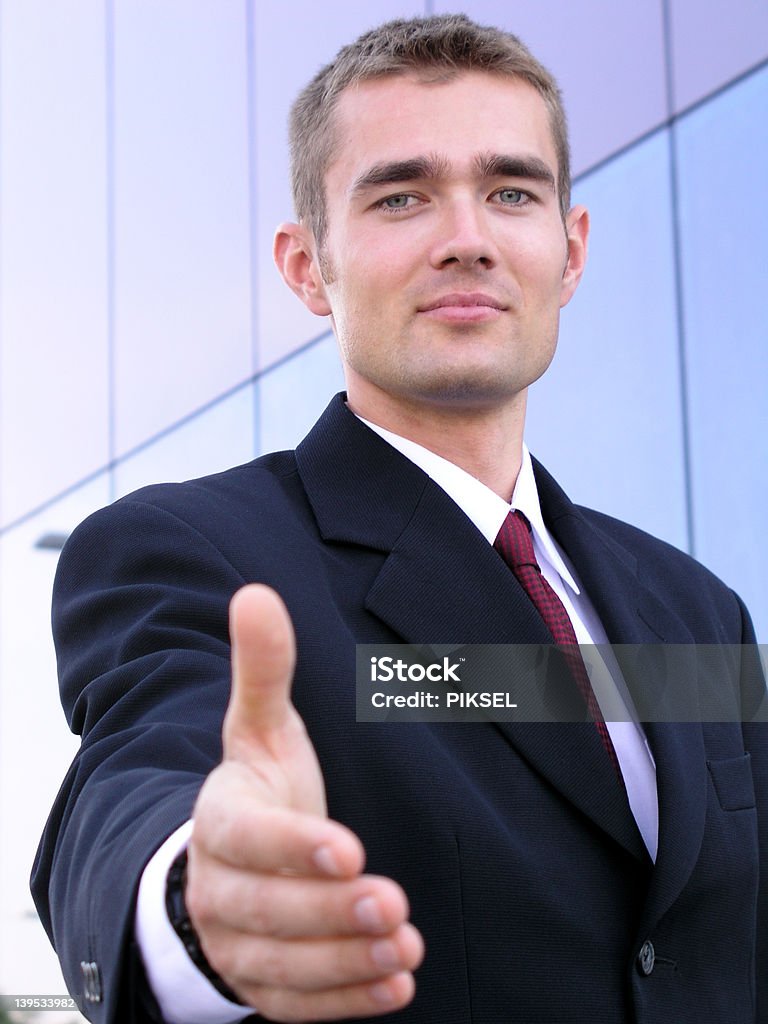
{"points": [[292, 396], [207, 442], [724, 215], [713, 42], [607, 57], [606, 417]]}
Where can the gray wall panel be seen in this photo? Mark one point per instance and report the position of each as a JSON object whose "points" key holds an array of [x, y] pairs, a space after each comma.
{"points": [[182, 244], [53, 308]]}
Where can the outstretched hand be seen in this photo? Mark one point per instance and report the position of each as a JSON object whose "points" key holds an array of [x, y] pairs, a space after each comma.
{"points": [[275, 889]]}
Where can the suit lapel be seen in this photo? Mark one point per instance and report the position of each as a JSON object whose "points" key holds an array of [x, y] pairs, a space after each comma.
{"points": [[632, 614], [460, 591], [442, 583]]}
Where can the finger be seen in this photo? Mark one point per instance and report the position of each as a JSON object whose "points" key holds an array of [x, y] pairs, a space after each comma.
{"points": [[262, 729], [263, 660], [310, 966], [289, 907], [233, 827], [366, 1000]]}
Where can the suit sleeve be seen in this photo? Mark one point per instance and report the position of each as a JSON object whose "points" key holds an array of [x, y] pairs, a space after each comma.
{"points": [[140, 619], [756, 745]]}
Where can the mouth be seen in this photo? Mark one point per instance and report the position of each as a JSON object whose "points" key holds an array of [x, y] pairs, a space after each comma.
{"points": [[464, 307]]}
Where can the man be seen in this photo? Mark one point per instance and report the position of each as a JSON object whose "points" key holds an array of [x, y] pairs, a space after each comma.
{"points": [[543, 872]]}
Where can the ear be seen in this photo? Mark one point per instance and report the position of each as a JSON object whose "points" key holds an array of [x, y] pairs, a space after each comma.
{"points": [[577, 236], [296, 259]]}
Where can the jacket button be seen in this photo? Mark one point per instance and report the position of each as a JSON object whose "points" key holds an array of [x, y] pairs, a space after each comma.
{"points": [[91, 980], [646, 958]]}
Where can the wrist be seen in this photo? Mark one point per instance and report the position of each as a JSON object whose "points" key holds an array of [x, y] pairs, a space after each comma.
{"points": [[178, 915]]}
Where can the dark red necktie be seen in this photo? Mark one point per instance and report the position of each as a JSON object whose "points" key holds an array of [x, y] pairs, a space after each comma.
{"points": [[515, 545]]}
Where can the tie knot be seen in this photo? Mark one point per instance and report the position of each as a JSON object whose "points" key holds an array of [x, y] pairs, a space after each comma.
{"points": [[514, 542]]}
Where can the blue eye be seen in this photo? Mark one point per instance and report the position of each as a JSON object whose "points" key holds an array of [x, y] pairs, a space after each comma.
{"points": [[511, 196], [396, 202]]}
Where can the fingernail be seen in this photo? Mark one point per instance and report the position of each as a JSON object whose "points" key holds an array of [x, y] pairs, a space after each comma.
{"points": [[325, 859], [385, 955], [381, 994], [368, 914]]}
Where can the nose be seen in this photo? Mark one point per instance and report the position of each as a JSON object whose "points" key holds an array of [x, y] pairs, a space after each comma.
{"points": [[463, 236]]}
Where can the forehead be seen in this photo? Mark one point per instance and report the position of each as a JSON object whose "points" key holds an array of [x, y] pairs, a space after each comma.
{"points": [[399, 117]]}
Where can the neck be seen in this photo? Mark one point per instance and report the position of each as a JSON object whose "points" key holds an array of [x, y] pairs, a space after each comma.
{"points": [[485, 442]]}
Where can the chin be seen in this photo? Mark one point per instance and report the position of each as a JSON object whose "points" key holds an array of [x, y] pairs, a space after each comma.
{"points": [[468, 391]]}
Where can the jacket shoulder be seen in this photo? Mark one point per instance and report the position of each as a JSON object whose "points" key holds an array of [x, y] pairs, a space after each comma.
{"points": [[209, 505], [651, 552], [258, 480], [678, 579]]}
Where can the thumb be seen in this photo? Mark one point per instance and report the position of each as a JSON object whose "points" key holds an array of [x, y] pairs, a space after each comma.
{"points": [[263, 660]]}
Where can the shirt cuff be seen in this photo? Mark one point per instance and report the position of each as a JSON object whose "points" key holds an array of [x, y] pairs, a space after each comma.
{"points": [[185, 996]]}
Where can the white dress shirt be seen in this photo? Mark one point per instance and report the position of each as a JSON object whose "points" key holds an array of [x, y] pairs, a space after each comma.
{"points": [[185, 996]]}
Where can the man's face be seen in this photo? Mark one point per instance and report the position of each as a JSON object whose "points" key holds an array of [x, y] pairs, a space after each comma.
{"points": [[446, 261]]}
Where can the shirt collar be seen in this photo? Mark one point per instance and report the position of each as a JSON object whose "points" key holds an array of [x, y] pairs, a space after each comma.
{"points": [[479, 503]]}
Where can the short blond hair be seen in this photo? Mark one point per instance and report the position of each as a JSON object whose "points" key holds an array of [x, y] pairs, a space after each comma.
{"points": [[441, 46]]}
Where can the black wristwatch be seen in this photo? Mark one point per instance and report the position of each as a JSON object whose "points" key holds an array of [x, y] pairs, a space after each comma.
{"points": [[176, 908]]}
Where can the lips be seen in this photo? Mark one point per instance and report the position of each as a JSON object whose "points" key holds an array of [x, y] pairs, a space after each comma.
{"points": [[463, 299]]}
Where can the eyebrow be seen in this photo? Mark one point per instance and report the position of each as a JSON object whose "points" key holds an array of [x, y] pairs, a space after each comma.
{"points": [[499, 165], [422, 168], [419, 168]]}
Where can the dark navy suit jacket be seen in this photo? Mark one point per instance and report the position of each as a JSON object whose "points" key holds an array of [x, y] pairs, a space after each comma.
{"points": [[524, 868]]}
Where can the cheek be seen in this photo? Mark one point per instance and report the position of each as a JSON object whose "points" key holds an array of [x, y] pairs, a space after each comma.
{"points": [[542, 271], [369, 287], [354, 312]]}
